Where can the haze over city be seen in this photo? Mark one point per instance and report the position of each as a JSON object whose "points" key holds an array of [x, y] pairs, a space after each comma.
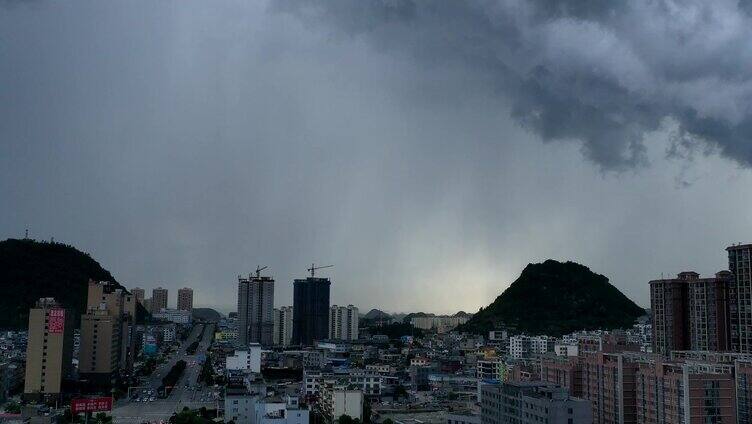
{"points": [[184, 144]]}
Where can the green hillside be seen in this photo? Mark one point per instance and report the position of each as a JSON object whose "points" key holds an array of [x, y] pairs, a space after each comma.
{"points": [[30, 269], [556, 298]]}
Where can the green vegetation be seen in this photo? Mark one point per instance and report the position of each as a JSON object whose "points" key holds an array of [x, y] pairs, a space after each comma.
{"points": [[207, 372], [206, 314], [556, 298], [13, 407], [397, 330], [30, 269], [191, 349], [173, 376], [346, 419], [186, 416]]}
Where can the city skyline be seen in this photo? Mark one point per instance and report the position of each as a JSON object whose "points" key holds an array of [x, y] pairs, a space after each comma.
{"points": [[258, 132]]}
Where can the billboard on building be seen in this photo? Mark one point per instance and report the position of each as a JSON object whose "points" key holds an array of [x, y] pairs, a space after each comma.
{"points": [[56, 322], [97, 404]]}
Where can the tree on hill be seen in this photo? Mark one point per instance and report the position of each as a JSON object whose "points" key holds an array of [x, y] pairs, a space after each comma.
{"points": [[30, 270], [556, 298]]}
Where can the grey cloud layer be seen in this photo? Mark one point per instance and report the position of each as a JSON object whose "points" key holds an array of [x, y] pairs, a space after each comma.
{"points": [[602, 73]]}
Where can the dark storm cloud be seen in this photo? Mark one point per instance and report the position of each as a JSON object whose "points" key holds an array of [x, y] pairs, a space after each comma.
{"points": [[602, 73]]}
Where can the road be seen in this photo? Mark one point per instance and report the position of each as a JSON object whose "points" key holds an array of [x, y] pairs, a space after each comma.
{"points": [[129, 411]]}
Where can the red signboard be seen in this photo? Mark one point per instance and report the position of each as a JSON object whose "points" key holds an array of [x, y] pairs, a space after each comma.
{"points": [[56, 321], [98, 404]]}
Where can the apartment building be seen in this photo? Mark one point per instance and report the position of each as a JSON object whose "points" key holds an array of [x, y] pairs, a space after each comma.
{"points": [[255, 310], [107, 333], [49, 349], [682, 393], [565, 372], [740, 297], [248, 359], [343, 322], [532, 403], [185, 299], [338, 400], [159, 297], [139, 294], [282, 326], [691, 313]]}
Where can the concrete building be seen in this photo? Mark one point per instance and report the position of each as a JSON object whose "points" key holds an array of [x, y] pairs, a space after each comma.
{"points": [[101, 339], [49, 349], [158, 299], [337, 401], [282, 326], [277, 410], [522, 346], [173, 315], [242, 394], [255, 310], [743, 381], [691, 313], [139, 294], [608, 381], [532, 403], [439, 324], [185, 299], [107, 333], [492, 369], [565, 372], [343, 322], [683, 393], [310, 319], [248, 359], [740, 297]]}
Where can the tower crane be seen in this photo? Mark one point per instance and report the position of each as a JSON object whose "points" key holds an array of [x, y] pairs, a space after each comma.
{"points": [[259, 269], [313, 268]]}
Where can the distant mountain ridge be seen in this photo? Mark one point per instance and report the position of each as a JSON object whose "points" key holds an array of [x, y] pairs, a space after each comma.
{"points": [[376, 314], [556, 298], [30, 269], [206, 314]]}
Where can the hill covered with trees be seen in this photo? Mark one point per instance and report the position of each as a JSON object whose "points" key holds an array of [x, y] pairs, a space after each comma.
{"points": [[30, 269], [556, 298]]}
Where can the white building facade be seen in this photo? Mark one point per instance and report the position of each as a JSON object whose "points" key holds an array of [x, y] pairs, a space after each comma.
{"points": [[249, 359], [343, 322]]}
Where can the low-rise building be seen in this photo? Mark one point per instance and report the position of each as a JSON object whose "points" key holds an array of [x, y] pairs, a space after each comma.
{"points": [[248, 360], [337, 401], [173, 315]]}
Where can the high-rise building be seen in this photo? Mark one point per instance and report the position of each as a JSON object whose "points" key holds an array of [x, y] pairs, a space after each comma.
{"points": [[107, 333], [255, 310], [684, 388], [282, 326], [310, 319], [685, 392], [49, 349], [185, 299], [139, 294], [691, 313], [343, 322], [608, 381], [158, 299], [740, 297]]}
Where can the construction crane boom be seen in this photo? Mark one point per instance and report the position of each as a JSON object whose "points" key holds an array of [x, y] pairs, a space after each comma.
{"points": [[259, 269], [313, 269]]}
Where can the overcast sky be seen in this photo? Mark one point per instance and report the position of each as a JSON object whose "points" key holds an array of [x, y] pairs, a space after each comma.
{"points": [[429, 150]]}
